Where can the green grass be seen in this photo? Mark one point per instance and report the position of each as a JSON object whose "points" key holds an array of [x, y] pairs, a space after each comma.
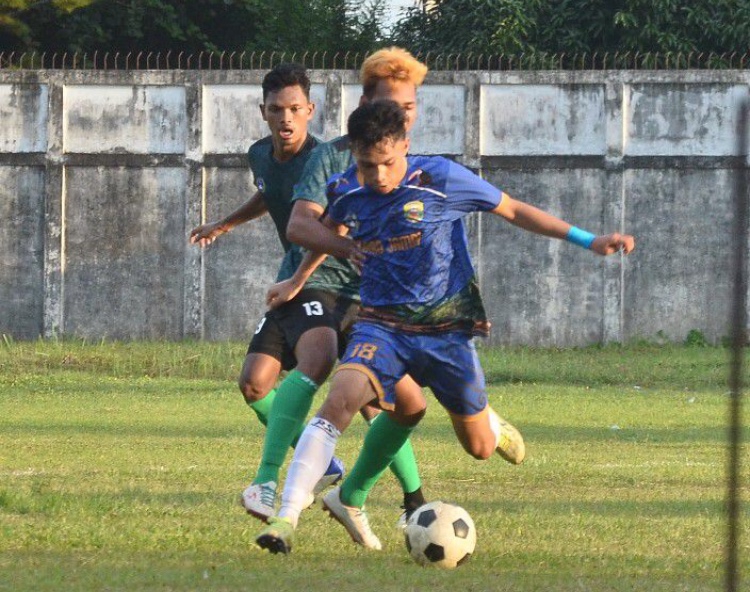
{"points": [[121, 464]]}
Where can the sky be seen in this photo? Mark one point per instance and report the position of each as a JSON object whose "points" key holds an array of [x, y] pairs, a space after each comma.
{"points": [[393, 8]]}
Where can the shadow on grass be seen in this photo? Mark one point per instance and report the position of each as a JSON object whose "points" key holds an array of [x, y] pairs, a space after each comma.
{"points": [[605, 508], [28, 428], [123, 501], [603, 433]]}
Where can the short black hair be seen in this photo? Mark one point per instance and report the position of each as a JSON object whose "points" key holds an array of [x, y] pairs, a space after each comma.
{"points": [[284, 75], [375, 121]]}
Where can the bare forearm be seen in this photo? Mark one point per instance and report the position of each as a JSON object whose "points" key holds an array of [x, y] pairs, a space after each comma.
{"points": [[310, 262], [251, 209], [534, 220], [309, 232]]}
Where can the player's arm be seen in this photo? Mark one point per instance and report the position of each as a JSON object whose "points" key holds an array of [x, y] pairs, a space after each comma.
{"points": [[253, 208], [329, 238], [533, 219], [305, 229]]}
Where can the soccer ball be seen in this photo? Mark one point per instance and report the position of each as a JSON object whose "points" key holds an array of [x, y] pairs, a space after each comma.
{"points": [[440, 534]]}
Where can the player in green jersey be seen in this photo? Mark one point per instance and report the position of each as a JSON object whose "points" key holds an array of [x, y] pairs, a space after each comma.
{"points": [[277, 162]]}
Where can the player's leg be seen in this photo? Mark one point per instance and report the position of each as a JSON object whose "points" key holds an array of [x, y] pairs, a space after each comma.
{"points": [[349, 391], [455, 375], [267, 354], [311, 323], [316, 349], [261, 368], [304, 325], [381, 357], [356, 487]]}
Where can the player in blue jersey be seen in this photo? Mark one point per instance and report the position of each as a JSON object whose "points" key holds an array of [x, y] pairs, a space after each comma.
{"points": [[420, 304], [390, 73]]}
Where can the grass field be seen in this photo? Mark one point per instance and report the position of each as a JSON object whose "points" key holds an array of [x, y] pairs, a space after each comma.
{"points": [[121, 465]]}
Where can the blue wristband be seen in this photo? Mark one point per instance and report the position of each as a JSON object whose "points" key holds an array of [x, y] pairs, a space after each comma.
{"points": [[580, 237]]}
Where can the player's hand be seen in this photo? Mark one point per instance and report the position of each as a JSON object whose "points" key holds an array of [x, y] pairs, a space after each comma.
{"points": [[206, 234], [607, 244], [281, 293], [357, 258]]}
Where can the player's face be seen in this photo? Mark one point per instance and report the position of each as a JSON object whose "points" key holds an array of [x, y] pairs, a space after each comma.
{"points": [[383, 166], [402, 92], [287, 113]]}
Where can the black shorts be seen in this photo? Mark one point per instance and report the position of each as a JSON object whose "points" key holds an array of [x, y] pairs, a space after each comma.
{"points": [[280, 329]]}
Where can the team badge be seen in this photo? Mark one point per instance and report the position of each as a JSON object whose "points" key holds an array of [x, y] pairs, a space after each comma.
{"points": [[414, 211], [260, 184]]}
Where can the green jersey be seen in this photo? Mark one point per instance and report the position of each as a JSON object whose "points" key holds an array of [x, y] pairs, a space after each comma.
{"points": [[334, 275], [275, 181]]}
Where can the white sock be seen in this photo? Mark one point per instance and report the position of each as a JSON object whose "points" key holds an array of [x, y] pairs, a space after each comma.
{"points": [[311, 459]]}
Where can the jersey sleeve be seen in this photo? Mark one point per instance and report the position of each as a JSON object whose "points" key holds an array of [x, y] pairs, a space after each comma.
{"points": [[467, 192], [314, 178], [335, 210], [252, 160]]}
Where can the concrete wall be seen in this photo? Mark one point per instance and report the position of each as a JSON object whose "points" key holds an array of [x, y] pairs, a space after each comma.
{"points": [[102, 174]]}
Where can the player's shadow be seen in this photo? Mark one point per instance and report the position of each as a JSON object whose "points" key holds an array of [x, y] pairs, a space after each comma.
{"points": [[536, 434], [30, 427]]}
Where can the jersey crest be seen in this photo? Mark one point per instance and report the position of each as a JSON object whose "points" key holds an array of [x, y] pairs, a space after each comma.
{"points": [[260, 184], [414, 211]]}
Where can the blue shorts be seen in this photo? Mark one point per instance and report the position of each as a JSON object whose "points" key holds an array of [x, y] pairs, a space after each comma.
{"points": [[447, 363]]}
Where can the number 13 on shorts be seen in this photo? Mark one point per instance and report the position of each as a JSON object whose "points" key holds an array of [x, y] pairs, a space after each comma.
{"points": [[313, 308]]}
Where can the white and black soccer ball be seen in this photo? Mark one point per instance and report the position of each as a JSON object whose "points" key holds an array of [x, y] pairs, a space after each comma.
{"points": [[440, 534]]}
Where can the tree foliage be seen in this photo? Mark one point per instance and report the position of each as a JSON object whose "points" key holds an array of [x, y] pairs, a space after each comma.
{"points": [[487, 27], [577, 26], [14, 29], [194, 25]]}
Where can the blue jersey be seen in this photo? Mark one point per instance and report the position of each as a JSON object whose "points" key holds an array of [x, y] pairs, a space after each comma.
{"points": [[418, 274]]}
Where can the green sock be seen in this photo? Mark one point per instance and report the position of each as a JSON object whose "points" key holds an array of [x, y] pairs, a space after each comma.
{"points": [[404, 467], [383, 441], [262, 408], [285, 422]]}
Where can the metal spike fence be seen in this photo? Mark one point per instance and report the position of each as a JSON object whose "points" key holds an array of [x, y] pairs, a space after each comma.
{"points": [[242, 60]]}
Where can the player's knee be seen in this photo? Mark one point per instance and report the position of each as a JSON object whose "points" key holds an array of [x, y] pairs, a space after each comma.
{"points": [[250, 390], [339, 410], [410, 418], [479, 449], [316, 363], [318, 368]]}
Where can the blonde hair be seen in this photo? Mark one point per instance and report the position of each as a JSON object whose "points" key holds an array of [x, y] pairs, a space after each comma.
{"points": [[391, 63]]}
